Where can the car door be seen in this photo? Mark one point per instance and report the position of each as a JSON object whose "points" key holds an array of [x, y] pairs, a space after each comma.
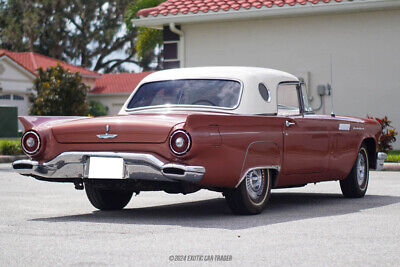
{"points": [[306, 136]]}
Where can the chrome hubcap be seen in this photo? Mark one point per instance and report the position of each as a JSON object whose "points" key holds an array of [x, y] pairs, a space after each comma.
{"points": [[255, 184], [361, 173]]}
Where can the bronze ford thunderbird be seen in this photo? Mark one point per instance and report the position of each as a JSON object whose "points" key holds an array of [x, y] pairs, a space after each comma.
{"points": [[236, 130]]}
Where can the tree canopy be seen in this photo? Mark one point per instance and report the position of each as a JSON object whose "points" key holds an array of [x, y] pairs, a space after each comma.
{"points": [[147, 39], [90, 33], [59, 92]]}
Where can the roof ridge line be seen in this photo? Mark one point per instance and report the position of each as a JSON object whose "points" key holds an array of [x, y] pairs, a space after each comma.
{"points": [[64, 62]]}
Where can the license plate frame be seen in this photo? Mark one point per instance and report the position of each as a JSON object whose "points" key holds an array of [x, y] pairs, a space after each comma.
{"points": [[106, 168]]}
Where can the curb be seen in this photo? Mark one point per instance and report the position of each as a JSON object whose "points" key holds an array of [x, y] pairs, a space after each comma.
{"points": [[391, 166], [10, 159]]}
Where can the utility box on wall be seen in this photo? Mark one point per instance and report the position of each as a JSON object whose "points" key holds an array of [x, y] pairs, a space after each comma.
{"points": [[8, 122]]}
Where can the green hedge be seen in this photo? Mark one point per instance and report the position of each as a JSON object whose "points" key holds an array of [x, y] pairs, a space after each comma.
{"points": [[10, 147], [393, 156]]}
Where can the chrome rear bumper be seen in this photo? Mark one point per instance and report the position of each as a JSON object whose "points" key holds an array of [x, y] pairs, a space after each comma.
{"points": [[139, 166]]}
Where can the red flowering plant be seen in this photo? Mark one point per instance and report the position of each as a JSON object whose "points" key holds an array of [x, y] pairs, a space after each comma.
{"points": [[388, 136]]}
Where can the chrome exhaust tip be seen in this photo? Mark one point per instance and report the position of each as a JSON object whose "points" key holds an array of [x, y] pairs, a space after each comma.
{"points": [[24, 166]]}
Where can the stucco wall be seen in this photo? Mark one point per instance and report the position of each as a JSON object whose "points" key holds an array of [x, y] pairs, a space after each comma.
{"points": [[15, 81], [365, 49]]}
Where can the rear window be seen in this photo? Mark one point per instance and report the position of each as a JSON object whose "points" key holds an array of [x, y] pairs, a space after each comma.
{"points": [[196, 92]]}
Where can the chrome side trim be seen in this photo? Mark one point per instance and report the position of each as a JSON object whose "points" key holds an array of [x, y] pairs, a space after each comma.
{"points": [[358, 128], [141, 166], [380, 159], [268, 167], [344, 127]]}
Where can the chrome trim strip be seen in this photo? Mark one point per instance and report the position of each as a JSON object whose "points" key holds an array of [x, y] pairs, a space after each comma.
{"points": [[276, 167], [268, 167], [358, 128], [344, 127], [141, 166]]}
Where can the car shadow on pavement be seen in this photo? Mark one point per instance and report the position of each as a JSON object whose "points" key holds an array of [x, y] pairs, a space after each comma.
{"points": [[214, 213]]}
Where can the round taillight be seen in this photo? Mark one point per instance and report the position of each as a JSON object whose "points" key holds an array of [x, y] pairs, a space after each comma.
{"points": [[179, 142], [30, 142]]}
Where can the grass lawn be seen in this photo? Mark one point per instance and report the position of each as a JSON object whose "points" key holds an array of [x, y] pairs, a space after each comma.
{"points": [[393, 156], [10, 146]]}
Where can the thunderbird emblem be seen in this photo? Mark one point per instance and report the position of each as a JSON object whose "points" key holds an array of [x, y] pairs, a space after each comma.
{"points": [[107, 135]]}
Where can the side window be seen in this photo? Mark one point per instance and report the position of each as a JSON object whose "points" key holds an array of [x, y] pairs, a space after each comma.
{"points": [[264, 92], [307, 106], [18, 97], [288, 100], [5, 97]]}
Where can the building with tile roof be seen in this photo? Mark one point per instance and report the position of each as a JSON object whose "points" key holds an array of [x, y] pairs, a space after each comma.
{"points": [[18, 71], [118, 83], [351, 44], [113, 89], [200, 7], [33, 61]]}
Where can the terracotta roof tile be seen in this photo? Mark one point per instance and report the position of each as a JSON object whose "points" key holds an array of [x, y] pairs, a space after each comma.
{"points": [[33, 61], [105, 84], [118, 82], [175, 7]]}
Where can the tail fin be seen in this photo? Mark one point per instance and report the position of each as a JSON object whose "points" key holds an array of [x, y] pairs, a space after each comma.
{"points": [[31, 121]]}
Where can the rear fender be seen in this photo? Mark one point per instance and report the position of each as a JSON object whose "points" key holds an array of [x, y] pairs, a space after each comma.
{"points": [[261, 155]]}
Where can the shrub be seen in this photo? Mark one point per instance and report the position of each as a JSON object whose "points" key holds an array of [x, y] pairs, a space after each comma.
{"points": [[393, 156], [59, 93], [388, 136], [10, 147], [97, 109]]}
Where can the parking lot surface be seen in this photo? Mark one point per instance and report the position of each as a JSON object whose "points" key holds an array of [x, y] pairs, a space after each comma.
{"points": [[52, 224]]}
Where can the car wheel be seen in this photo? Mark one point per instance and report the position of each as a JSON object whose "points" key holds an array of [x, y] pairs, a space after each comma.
{"points": [[356, 183], [251, 196], [103, 199]]}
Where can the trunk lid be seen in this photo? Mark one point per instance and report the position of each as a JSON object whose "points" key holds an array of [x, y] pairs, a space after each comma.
{"points": [[140, 128]]}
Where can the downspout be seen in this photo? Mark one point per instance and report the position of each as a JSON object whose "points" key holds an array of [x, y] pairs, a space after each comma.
{"points": [[174, 29]]}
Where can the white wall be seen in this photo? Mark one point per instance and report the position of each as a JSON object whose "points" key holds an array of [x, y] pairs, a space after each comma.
{"points": [[365, 48], [14, 80]]}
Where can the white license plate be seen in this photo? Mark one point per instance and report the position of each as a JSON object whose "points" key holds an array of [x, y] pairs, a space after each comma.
{"points": [[106, 168]]}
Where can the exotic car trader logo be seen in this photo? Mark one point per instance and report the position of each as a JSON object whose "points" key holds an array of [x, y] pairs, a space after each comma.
{"points": [[107, 135]]}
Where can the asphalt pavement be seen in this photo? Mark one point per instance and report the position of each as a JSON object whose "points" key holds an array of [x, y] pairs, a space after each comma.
{"points": [[52, 224]]}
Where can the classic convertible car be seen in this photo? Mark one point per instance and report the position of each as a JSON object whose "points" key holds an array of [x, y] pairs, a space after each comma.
{"points": [[236, 130]]}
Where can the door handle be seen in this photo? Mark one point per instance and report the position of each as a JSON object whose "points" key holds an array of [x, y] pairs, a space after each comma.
{"points": [[288, 124]]}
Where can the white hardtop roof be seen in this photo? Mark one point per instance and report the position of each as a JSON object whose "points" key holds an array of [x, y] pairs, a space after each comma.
{"points": [[231, 72], [250, 102]]}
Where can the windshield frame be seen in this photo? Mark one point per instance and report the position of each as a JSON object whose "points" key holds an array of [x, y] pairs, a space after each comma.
{"points": [[168, 106]]}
